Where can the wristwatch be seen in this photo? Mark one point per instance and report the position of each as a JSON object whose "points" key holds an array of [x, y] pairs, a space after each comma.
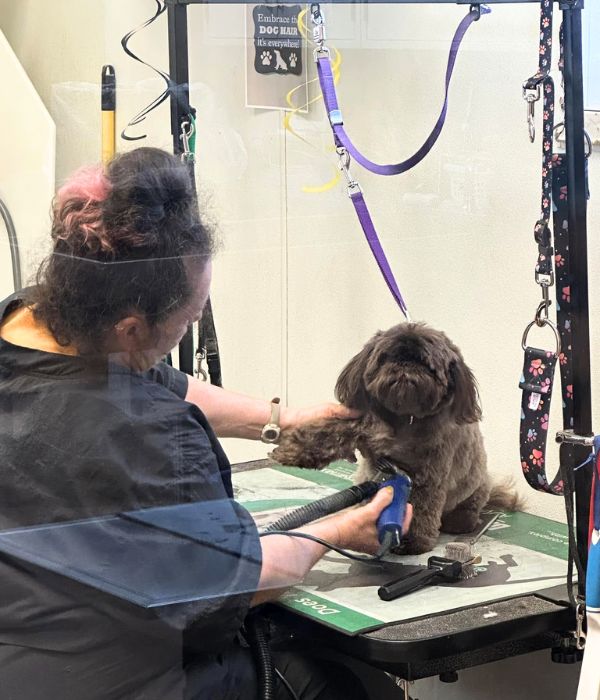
{"points": [[270, 433]]}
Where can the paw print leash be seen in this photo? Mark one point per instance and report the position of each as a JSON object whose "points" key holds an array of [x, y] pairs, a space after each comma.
{"points": [[552, 269], [539, 365]]}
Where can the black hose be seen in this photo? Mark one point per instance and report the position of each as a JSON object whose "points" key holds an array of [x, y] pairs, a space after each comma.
{"points": [[325, 506], [256, 626], [14, 246], [257, 636]]}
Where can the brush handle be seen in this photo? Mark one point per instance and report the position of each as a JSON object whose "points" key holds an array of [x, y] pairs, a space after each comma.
{"points": [[405, 585]]}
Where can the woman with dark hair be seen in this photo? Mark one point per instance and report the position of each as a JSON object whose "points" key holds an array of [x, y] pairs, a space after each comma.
{"points": [[94, 424]]}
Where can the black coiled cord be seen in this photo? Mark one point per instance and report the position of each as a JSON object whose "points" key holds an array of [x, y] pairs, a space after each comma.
{"points": [[325, 506], [257, 636]]}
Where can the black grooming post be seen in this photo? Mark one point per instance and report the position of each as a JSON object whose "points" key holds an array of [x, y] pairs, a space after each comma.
{"points": [[571, 455], [178, 70], [180, 112]]}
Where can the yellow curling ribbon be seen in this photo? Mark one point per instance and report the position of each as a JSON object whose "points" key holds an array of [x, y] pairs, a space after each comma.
{"points": [[287, 120]]}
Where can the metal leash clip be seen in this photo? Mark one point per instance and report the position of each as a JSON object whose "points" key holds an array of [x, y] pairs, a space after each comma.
{"points": [[187, 132], [531, 95], [579, 634], [344, 166], [318, 32], [200, 372], [542, 318]]}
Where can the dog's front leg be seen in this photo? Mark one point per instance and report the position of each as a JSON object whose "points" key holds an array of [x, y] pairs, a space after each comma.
{"points": [[465, 516], [427, 519], [315, 445]]}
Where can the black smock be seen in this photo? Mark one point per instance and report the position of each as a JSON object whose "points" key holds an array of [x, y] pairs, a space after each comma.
{"points": [[81, 438]]}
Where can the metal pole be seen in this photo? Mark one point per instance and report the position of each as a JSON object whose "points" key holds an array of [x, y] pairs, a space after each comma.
{"points": [[178, 69], [180, 95], [577, 188]]}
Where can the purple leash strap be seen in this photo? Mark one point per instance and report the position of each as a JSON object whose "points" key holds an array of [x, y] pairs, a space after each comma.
{"points": [[335, 115], [375, 245]]}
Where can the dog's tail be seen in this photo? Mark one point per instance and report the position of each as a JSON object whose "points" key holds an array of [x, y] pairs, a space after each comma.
{"points": [[504, 496]]}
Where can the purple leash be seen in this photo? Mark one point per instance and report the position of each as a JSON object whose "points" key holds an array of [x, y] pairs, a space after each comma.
{"points": [[375, 245], [335, 115], [346, 150]]}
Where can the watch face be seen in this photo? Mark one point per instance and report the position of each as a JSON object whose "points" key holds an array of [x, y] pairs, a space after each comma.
{"points": [[270, 433]]}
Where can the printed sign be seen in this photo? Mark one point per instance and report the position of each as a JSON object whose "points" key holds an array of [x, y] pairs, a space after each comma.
{"points": [[277, 39], [275, 57]]}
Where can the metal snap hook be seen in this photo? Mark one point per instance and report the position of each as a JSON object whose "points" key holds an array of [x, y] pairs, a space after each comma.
{"points": [[187, 132], [315, 13], [531, 96], [542, 322]]}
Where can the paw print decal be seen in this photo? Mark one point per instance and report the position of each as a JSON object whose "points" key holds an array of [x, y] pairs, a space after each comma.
{"points": [[265, 58], [293, 60]]}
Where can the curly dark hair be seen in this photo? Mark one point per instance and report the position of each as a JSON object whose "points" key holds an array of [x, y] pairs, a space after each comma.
{"points": [[122, 236]]}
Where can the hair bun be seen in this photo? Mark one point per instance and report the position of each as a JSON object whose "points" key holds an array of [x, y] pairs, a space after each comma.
{"points": [[151, 187]]}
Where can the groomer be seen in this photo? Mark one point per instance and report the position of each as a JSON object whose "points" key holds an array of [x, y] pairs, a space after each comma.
{"points": [[93, 423]]}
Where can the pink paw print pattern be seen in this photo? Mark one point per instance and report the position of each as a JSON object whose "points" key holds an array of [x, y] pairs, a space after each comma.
{"points": [[537, 367], [566, 294], [563, 358], [544, 423], [537, 457]]}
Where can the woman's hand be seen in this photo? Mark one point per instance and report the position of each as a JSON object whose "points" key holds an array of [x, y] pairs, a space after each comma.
{"points": [[287, 560], [357, 527], [294, 417]]}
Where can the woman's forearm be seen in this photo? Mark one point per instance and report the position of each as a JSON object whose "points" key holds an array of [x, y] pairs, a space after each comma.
{"points": [[230, 414], [236, 415], [287, 560]]}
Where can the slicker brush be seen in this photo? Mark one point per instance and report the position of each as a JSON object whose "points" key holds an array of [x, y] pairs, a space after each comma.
{"points": [[463, 553]]}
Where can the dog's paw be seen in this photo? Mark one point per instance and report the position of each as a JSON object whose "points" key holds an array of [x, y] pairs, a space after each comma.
{"points": [[296, 449], [287, 452], [459, 522], [418, 544]]}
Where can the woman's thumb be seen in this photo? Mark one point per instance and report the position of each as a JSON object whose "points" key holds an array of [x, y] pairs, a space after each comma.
{"points": [[382, 499]]}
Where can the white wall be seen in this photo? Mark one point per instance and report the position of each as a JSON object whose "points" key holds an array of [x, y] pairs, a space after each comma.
{"points": [[296, 292], [27, 141]]}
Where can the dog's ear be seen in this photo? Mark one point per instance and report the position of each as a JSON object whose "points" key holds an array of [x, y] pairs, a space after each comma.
{"points": [[465, 406], [350, 386]]}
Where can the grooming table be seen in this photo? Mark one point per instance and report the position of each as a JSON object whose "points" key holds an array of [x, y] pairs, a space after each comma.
{"points": [[517, 603]]}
